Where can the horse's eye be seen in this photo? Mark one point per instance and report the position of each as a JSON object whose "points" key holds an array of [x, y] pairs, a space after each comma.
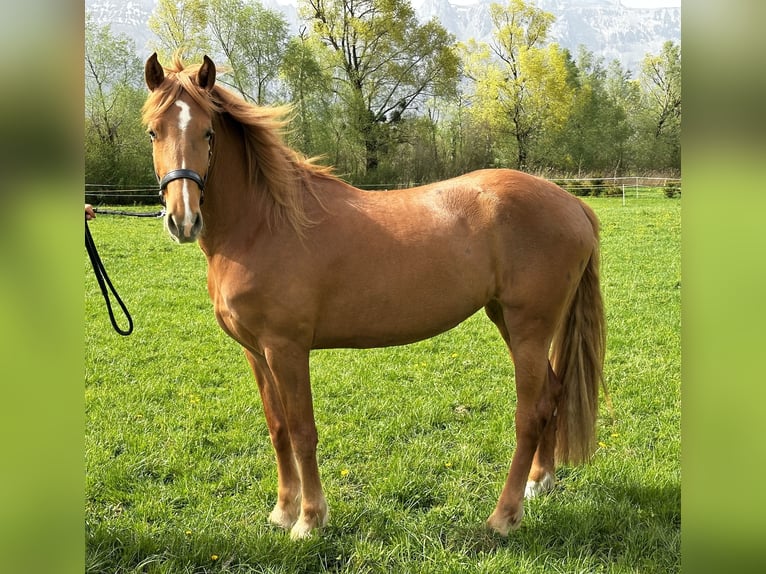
{"points": [[209, 135], [152, 134]]}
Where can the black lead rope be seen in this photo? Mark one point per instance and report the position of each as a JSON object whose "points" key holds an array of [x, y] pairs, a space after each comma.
{"points": [[103, 281], [128, 213]]}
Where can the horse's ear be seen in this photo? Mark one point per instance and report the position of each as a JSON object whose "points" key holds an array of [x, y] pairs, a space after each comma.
{"points": [[153, 72], [206, 74]]}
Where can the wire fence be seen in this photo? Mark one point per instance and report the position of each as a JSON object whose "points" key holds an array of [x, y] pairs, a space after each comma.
{"points": [[105, 194], [631, 187], [619, 187]]}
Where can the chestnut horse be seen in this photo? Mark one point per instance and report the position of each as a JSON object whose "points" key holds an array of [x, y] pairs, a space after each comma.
{"points": [[299, 260]]}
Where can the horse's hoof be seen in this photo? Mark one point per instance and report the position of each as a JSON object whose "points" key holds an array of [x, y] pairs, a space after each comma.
{"points": [[538, 487], [301, 530], [307, 522], [505, 524], [283, 518]]}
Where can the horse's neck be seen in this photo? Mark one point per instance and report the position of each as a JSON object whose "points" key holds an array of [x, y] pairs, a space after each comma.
{"points": [[231, 205], [236, 211]]}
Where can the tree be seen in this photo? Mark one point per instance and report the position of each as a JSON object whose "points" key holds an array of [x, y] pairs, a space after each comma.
{"points": [[596, 133], [468, 143], [253, 40], [307, 79], [661, 85], [386, 60], [180, 26], [520, 84], [117, 150], [247, 40]]}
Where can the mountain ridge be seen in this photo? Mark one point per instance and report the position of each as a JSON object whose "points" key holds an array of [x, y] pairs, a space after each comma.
{"points": [[608, 28]]}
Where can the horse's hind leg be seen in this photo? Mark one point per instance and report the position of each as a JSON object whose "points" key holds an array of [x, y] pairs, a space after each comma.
{"points": [[529, 340], [288, 505], [494, 311], [542, 476]]}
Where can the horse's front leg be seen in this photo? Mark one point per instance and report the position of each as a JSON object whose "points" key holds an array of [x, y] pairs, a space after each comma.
{"points": [[288, 505], [289, 366]]}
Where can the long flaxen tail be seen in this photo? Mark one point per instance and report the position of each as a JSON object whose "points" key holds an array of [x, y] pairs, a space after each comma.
{"points": [[577, 358]]}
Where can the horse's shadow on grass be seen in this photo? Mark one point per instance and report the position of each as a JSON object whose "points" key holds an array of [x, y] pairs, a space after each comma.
{"points": [[622, 519], [628, 523], [619, 522]]}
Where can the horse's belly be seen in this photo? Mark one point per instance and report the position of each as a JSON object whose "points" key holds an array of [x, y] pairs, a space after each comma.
{"points": [[397, 312], [382, 333]]}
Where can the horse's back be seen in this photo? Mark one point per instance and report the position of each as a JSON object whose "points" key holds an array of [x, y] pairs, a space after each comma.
{"points": [[403, 265], [518, 212], [521, 196]]}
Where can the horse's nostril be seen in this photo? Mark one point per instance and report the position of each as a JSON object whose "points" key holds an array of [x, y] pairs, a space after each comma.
{"points": [[171, 224], [197, 227]]}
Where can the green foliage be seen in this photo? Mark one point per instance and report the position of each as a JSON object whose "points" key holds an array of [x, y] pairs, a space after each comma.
{"points": [[316, 129], [385, 61], [252, 40], [387, 100], [580, 187], [414, 444], [661, 82], [117, 151], [520, 84], [180, 27], [672, 189], [596, 132]]}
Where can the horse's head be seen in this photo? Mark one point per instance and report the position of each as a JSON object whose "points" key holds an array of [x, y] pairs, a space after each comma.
{"points": [[181, 130]]}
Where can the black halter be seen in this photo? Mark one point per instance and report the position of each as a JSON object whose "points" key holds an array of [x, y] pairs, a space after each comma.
{"points": [[182, 174]]}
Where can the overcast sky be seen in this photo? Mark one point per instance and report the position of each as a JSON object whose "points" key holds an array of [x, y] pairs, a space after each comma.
{"points": [[652, 3], [630, 3]]}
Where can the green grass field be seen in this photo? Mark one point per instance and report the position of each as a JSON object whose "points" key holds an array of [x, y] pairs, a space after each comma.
{"points": [[415, 441]]}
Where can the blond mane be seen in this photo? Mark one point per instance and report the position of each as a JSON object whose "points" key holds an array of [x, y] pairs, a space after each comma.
{"points": [[284, 173]]}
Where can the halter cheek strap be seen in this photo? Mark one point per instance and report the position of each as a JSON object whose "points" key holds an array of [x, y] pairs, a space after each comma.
{"points": [[182, 174]]}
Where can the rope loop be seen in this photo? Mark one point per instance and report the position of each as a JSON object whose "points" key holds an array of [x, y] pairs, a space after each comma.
{"points": [[103, 282]]}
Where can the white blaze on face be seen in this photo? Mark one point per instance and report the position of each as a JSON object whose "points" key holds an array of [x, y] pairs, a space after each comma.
{"points": [[184, 118]]}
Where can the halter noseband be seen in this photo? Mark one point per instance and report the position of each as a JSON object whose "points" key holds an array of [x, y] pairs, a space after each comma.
{"points": [[182, 174]]}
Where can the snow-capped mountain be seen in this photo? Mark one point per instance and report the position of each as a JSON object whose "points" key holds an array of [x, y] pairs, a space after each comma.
{"points": [[127, 17], [608, 28]]}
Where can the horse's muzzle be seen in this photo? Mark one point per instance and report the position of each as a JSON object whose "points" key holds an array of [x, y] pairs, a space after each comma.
{"points": [[187, 229]]}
